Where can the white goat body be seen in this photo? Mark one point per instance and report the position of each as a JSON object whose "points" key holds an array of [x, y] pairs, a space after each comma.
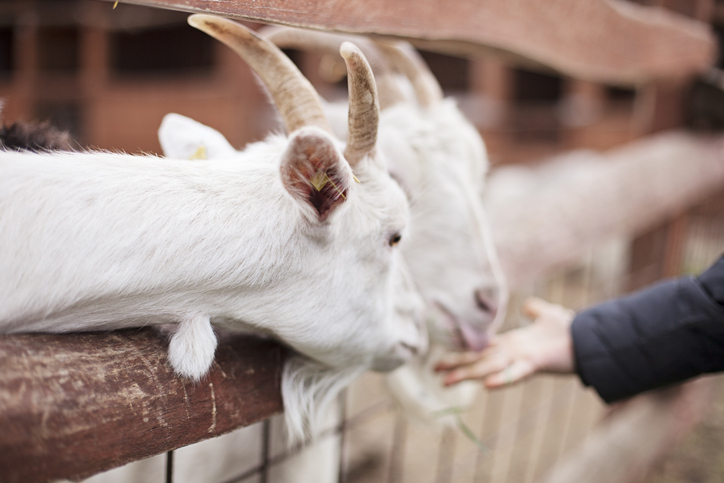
{"points": [[100, 241]]}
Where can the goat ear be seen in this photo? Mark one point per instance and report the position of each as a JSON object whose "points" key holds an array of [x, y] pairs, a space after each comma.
{"points": [[183, 138], [315, 173]]}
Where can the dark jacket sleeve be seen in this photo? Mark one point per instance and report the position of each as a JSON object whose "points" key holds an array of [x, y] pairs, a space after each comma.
{"points": [[667, 333]]}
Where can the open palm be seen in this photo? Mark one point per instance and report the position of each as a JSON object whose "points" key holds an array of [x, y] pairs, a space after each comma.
{"points": [[543, 346]]}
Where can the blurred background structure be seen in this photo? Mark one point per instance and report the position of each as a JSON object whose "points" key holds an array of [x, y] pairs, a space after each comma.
{"points": [[109, 75]]}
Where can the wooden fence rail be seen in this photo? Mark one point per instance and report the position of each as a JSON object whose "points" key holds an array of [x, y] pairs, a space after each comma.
{"points": [[622, 192], [598, 40], [74, 405]]}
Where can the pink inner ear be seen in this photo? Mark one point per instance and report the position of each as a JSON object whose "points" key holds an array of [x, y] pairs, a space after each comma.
{"points": [[328, 190], [315, 173]]}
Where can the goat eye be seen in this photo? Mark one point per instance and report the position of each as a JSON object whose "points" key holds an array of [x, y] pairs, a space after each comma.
{"points": [[395, 239]]}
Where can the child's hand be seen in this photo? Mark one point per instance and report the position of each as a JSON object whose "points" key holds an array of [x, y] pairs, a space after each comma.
{"points": [[544, 346]]}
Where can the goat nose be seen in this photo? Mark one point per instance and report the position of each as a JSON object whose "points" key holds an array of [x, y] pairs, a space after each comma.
{"points": [[488, 300]]}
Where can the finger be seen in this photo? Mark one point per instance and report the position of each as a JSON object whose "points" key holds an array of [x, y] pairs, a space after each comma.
{"points": [[454, 360], [457, 359], [513, 373], [533, 307], [476, 370]]}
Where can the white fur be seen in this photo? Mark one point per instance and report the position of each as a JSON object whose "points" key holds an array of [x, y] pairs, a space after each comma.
{"points": [[308, 388], [441, 161], [192, 346], [101, 241]]}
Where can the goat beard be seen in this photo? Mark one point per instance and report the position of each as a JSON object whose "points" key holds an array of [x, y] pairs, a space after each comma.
{"points": [[308, 388], [418, 391]]}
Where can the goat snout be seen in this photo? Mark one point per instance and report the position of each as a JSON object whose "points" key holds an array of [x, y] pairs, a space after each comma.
{"points": [[473, 339], [488, 300]]}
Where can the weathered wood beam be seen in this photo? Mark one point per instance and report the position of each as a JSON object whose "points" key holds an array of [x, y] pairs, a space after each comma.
{"points": [[608, 41], [622, 192], [74, 405]]}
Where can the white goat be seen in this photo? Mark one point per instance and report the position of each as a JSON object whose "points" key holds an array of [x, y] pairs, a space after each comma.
{"points": [[277, 239], [440, 160]]}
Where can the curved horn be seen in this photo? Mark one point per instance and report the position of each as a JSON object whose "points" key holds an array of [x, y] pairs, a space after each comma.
{"points": [[364, 108], [295, 98], [408, 61], [330, 43]]}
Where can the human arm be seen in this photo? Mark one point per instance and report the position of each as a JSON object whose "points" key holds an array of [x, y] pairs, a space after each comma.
{"points": [[666, 333], [663, 334]]}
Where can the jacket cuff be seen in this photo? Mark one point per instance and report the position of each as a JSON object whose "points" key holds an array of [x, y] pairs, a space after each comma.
{"points": [[712, 281], [663, 334]]}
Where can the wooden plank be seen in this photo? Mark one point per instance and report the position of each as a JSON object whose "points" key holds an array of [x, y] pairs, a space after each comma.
{"points": [[626, 444], [607, 41], [74, 405], [619, 193]]}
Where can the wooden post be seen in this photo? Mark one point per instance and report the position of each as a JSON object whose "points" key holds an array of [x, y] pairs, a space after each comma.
{"points": [[26, 53], [581, 108], [491, 85], [94, 68]]}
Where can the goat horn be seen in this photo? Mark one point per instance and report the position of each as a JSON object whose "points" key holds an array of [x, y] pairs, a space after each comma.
{"points": [[295, 98], [364, 108], [408, 61], [330, 43]]}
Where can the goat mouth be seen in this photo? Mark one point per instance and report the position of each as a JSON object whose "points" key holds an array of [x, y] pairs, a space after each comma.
{"points": [[464, 336], [411, 348]]}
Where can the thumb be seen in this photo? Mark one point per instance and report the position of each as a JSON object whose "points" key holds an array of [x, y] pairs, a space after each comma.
{"points": [[516, 371], [534, 307]]}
